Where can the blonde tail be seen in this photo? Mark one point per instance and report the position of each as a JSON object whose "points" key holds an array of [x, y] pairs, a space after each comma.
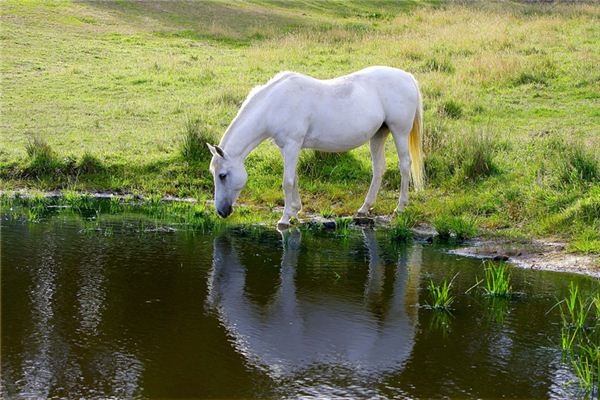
{"points": [[415, 144]]}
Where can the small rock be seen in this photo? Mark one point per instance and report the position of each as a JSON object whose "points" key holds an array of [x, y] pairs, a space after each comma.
{"points": [[364, 221], [328, 224]]}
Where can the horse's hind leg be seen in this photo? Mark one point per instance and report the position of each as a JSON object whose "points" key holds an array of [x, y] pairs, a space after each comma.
{"points": [[400, 132], [377, 145]]}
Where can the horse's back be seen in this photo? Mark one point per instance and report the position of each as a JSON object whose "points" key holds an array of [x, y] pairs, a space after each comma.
{"points": [[344, 112]]}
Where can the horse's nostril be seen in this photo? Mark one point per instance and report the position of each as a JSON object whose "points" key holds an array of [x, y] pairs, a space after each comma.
{"points": [[224, 213]]}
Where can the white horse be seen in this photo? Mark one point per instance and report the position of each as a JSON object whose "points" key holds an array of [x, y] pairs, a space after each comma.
{"points": [[336, 115]]}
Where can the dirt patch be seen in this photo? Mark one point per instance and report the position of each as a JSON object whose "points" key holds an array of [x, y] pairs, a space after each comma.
{"points": [[537, 254]]}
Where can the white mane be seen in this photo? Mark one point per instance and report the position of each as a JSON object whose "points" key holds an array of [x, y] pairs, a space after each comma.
{"points": [[259, 88]]}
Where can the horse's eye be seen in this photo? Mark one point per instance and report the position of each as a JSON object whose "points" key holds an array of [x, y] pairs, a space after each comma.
{"points": [[222, 176]]}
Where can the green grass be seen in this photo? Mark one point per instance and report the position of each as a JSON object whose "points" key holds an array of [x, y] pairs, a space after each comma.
{"points": [[455, 228], [119, 96], [580, 337], [574, 309], [496, 280], [402, 227], [441, 297]]}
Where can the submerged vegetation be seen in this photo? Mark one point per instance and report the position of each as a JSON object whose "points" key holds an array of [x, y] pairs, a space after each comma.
{"points": [[580, 336], [511, 115]]}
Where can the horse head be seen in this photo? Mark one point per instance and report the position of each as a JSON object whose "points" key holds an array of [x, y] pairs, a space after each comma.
{"points": [[229, 175]]}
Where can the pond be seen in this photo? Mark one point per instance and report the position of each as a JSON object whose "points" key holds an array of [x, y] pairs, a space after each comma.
{"points": [[124, 310]]}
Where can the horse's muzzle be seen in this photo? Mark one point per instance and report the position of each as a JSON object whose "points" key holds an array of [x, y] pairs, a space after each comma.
{"points": [[224, 212]]}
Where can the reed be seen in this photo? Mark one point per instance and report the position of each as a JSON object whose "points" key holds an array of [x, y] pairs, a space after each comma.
{"points": [[441, 298], [497, 280]]}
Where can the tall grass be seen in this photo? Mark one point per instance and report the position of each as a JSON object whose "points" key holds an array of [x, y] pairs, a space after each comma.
{"points": [[573, 309], [466, 155], [41, 158], [497, 280], [194, 139], [580, 336], [440, 295]]}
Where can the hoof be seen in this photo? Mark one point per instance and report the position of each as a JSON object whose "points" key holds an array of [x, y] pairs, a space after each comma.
{"points": [[283, 224]]}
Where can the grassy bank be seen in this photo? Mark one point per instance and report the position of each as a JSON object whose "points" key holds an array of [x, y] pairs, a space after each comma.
{"points": [[119, 96]]}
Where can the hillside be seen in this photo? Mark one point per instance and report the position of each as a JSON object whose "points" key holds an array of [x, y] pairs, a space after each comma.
{"points": [[119, 96]]}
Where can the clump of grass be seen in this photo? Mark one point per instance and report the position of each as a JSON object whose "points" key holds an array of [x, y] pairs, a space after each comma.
{"points": [[195, 137], [588, 241], [455, 227], [476, 155], [568, 164], [83, 204], [467, 156], [443, 226], [401, 230], [327, 213], [586, 372], [580, 165], [497, 280], [440, 294], [42, 159], [435, 64], [573, 309], [452, 109], [579, 339], [89, 164], [342, 226]]}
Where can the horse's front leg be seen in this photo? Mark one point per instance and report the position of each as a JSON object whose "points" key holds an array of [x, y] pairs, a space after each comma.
{"points": [[290, 184], [296, 202]]}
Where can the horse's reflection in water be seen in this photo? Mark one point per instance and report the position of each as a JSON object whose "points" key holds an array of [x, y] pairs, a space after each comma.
{"points": [[299, 331]]}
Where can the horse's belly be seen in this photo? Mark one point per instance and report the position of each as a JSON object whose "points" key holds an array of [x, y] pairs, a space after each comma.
{"points": [[343, 143], [342, 134]]}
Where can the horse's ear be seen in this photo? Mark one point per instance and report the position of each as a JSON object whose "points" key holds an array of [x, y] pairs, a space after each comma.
{"points": [[216, 150]]}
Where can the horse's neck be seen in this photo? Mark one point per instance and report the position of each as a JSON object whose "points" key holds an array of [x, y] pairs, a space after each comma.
{"points": [[243, 135]]}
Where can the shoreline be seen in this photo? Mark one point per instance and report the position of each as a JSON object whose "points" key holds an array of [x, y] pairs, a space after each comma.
{"points": [[535, 254]]}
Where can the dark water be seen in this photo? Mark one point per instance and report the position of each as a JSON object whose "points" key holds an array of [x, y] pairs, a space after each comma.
{"points": [[122, 313]]}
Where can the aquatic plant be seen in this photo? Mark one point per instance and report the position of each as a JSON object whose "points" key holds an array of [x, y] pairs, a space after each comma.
{"points": [[574, 308], [342, 226], [586, 371], [580, 340], [567, 338], [440, 294], [497, 280]]}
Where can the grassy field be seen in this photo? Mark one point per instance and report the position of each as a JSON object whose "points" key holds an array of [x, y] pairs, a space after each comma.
{"points": [[118, 96]]}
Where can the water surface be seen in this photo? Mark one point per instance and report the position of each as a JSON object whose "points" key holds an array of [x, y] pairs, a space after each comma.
{"points": [[124, 312]]}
